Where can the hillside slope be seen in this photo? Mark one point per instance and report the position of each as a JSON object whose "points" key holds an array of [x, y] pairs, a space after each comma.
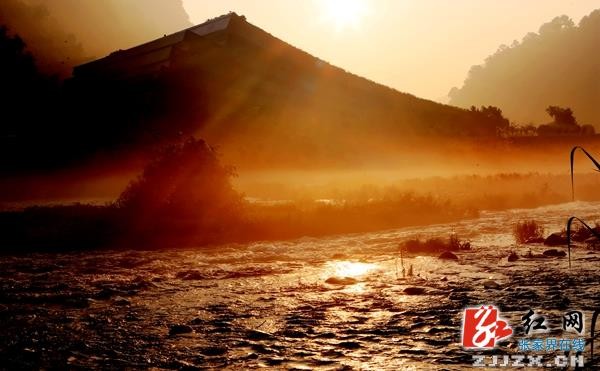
{"points": [[253, 94]]}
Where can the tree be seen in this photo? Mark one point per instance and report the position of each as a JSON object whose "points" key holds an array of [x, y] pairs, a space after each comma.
{"points": [[184, 190], [562, 116], [493, 117], [556, 25], [18, 75], [28, 101], [564, 123]]}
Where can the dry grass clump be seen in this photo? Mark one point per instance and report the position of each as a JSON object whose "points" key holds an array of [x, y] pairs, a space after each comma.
{"points": [[527, 230], [436, 245]]}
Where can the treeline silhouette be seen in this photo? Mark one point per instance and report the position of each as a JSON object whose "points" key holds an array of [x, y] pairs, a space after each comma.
{"points": [[28, 102], [564, 124], [558, 65], [47, 123]]}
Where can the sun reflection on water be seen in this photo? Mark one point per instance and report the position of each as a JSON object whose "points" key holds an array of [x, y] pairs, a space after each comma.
{"points": [[350, 268]]}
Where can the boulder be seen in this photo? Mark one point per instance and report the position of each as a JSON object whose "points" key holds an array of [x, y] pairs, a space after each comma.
{"points": [[513, 257], [190, 275], [489, 284], [554, 253], [121, 301], [447, 255], [349, 344], [581, 235], [177, 329], [555, 239], [592, 243], [414, 290], [259, 335], [214, 351]]}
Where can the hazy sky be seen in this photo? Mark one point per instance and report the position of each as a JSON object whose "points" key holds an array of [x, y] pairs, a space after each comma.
{"points": [[423, 47]]}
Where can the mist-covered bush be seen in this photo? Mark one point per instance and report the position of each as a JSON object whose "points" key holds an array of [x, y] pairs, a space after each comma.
{"points": [[184, 190]]}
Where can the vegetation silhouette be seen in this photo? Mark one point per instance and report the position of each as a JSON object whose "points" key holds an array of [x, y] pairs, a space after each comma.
{"points": [[527, 230], [27, 99], [184, 192], [435, 245], [564, 123], [184, 198]]}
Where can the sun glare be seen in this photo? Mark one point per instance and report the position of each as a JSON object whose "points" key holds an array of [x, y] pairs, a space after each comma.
{"points": [[344, 13], [351, 269]]}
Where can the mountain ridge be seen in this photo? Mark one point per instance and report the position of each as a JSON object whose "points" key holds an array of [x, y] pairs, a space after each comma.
{"points": [[558, 65]]}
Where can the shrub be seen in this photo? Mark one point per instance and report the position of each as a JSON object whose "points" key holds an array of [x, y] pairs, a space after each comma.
{"points": [[183, 190], [526, 230]]}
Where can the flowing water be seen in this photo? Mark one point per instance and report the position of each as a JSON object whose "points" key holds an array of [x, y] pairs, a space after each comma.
{"points": [[268, 304]]}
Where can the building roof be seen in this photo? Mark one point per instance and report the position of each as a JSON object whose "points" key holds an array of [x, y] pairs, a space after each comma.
{"points": [[152, 54]]}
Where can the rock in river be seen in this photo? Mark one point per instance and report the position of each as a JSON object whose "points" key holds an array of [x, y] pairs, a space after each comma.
{"points": [[259, 335], [414, 290], [121, 301], [341, 281], [447, 255], [555, 239], [513, 257], [489, 284], [177, 329], [555, 253]]}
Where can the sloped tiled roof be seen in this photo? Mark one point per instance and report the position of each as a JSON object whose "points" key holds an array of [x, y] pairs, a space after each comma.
{"points": [[156, 50]]}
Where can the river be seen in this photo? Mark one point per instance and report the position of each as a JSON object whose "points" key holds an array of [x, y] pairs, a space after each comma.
{"points": [[267, 304]]}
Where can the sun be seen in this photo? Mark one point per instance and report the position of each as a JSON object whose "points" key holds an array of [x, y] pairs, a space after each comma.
{"points": [[344, 13]]}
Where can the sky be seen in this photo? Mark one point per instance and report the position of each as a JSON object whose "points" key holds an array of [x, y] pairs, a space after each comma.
{"points": [[422, 47]]}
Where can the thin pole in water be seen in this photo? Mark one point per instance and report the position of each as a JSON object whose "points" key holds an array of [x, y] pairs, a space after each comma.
{"points": [[570, 231], [572, 164]]}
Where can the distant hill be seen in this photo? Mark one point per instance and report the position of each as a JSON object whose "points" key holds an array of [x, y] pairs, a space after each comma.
{"points": [[559, 65], [250, 93]]}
